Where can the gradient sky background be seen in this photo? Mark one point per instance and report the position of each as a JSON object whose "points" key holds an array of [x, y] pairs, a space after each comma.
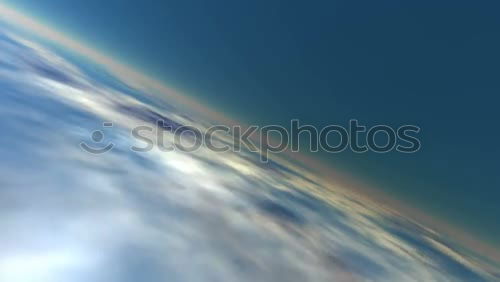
{"points": [[435, 64]]}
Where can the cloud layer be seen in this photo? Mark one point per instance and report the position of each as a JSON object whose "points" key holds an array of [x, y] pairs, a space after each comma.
{"points": [[67, 215]]}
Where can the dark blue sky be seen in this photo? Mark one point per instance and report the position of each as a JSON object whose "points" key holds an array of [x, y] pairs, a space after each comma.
{"points": [[434, 64]]}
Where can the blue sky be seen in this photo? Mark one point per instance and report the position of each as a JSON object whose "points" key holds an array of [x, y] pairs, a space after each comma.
{"points": [[434, 64]]}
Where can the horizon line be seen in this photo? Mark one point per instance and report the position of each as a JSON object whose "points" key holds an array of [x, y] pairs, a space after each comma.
{"points": [[147, 82]]}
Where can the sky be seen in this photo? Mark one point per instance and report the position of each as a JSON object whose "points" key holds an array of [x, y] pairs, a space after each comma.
{"points": [[434, 64]]}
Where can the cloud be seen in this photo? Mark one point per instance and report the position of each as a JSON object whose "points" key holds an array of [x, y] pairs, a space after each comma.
{"points": [[67, 215]]}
